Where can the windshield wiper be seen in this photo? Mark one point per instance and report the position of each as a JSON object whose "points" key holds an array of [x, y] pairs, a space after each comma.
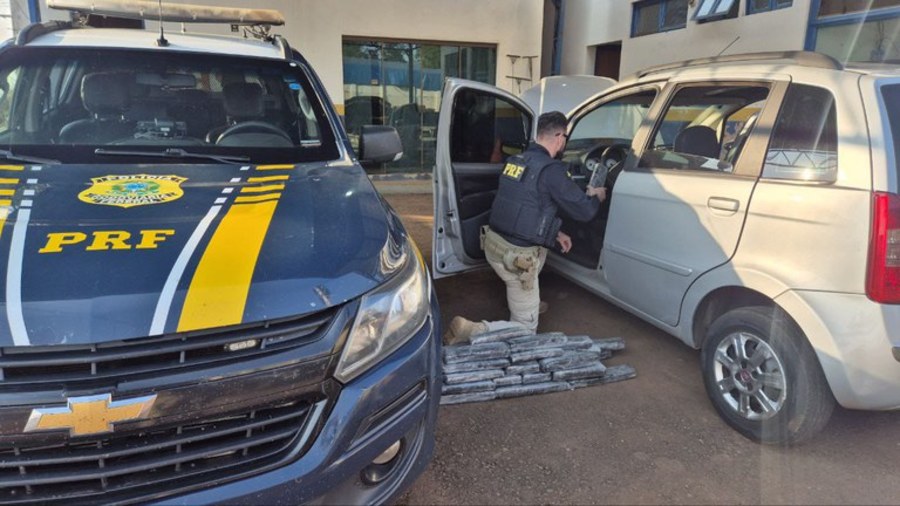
{"points": [[173, 153], [9, 155]]}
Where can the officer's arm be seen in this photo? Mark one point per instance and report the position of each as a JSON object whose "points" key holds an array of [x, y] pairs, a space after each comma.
{"points": [[568, 196]]}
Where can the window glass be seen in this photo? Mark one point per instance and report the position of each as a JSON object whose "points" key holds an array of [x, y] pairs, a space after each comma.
{"points": [[486, 129], [869, 41], [754, 6], [66, 102], [724, 6], [652, 16], [398, 83], [616, 121], [675, 14], [9, 84], [646, 17], [705, 127], [891, 95], [711, 10], [705, 8], [837, 7], [804, 140]]}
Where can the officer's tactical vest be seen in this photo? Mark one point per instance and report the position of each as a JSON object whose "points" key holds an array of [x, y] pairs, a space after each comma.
{"points": [[517, 210]]}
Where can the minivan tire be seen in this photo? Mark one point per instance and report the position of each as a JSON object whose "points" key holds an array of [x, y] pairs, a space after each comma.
{"points": [[764, 378]]}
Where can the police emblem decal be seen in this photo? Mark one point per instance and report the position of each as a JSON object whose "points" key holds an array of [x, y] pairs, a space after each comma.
{"points": [[133, 190]]}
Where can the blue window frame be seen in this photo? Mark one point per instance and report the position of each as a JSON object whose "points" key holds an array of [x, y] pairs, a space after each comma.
{"points": [[821, 18], [710, 10], [755, 6], [654, 16]]}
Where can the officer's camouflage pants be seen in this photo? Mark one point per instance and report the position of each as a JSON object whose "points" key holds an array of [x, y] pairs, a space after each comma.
{"points": [[518, 267]]}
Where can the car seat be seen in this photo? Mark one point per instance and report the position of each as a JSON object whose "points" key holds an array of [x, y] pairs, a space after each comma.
{"points": [[106, 97], [697, 140], [244, 107], [738, 145], [242, 102]]}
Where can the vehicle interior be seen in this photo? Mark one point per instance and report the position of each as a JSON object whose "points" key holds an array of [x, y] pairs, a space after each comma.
{"points": [[485, 131], [599, 142], [100, 98]]}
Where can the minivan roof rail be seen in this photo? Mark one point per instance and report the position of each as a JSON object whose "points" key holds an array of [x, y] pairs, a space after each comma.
{"points": [[802, 58], [152, 10]]}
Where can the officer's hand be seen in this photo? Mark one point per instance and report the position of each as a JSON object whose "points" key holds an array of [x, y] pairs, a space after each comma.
{"points": [[600, 192], [565, 242]]}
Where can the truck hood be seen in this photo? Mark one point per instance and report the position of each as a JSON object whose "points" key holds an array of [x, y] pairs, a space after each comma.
{"points": [[97, 253]]}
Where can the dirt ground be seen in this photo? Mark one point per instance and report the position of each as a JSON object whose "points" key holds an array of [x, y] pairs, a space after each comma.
{"points": [[652, 439]]}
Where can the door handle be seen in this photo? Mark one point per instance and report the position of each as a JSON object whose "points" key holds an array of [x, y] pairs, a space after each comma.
{"points": [[723, 204]]}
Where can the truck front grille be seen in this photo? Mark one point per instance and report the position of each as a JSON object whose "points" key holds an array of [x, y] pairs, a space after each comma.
{"points": [[142, 465], [28, 368]]}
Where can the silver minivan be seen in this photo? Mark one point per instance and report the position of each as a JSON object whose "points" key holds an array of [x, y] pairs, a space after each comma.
{"points": [[753, 213]]}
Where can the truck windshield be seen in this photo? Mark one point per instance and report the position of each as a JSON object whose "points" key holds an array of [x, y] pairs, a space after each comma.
{"points": [[76, 105]]}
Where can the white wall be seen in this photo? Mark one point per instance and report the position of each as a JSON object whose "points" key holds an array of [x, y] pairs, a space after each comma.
{"points": [[316, 28], [589, 23], [14, 16], [592, 22]]}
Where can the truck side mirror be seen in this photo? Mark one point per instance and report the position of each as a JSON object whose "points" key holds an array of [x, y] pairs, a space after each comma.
{"points": [[379, 144]]}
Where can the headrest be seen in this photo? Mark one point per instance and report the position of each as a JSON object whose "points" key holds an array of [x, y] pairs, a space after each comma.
{"points": [[105, 93], [243, 100], [698, 140]]}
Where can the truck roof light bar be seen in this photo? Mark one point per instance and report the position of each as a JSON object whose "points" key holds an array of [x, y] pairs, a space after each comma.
{"points": [[151, 10]]}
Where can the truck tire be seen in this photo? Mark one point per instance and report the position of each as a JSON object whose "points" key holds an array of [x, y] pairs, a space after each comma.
{"points": [[764, 378]]}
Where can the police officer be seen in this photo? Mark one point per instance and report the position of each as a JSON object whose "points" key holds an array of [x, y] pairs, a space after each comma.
{"points": [[533, 188]]}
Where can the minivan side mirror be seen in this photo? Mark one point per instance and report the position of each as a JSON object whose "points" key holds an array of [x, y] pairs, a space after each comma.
{"points": [[379, 144]]}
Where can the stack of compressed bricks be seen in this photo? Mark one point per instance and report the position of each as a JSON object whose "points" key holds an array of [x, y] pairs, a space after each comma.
{"points": [[513, 363]]}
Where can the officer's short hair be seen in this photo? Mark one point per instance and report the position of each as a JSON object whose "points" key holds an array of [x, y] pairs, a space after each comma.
{"points": [[551, 123]]}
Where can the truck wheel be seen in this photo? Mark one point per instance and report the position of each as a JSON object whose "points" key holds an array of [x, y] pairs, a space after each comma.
{"points": [[763, 376]]}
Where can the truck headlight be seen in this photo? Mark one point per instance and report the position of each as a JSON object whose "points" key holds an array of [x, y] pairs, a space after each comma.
{"points": [[387, 318]]}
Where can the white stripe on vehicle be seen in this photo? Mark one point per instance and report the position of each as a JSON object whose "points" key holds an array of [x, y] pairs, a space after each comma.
{"points": [[14, 280], [164, 305]]}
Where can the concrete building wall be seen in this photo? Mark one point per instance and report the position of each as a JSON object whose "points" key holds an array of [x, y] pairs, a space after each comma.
{"points": [[14, 15], [589, 23], [317, 27]]}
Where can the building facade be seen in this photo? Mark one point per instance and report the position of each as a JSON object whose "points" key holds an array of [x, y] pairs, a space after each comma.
{"points": [[618, 37]]}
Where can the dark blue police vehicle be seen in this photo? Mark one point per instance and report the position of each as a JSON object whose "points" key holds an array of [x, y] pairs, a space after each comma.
{"points": [[206, 301]]}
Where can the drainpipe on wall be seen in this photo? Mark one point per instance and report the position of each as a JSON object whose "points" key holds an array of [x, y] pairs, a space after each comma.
{"points": [[34, 11], [557, 36]]}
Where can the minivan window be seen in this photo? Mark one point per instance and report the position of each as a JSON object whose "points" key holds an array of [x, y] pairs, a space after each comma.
{"points": [[705, 128], [804, 141], [618, 119], [891, 95], [64, 103]]}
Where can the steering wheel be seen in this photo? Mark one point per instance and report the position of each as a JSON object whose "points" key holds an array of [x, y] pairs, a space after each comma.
{"points": [[254, 127], [613, 155]]}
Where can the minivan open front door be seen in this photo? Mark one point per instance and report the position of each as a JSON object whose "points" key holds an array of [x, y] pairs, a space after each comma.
{"points": [[479, 127]]}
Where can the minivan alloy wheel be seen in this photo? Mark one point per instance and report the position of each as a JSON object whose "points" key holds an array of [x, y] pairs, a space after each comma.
{"points": [[763, 376], [750, 376]]}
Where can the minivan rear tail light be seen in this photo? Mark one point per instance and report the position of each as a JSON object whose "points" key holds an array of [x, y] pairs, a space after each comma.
{"points": [[883, 276]]}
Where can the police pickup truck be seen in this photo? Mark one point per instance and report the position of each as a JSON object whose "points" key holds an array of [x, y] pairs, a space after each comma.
{"points": [[206, 301]]}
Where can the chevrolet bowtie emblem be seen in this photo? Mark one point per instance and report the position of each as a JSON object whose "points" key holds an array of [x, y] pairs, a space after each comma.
{"points": [[93, 414]]}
